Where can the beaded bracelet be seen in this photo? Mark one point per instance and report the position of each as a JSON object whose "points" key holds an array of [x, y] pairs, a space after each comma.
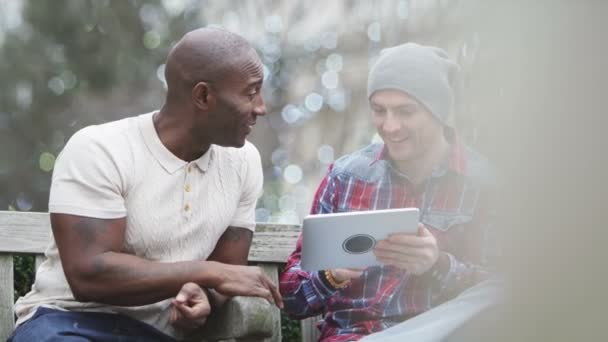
{"points": [[332, 281]]}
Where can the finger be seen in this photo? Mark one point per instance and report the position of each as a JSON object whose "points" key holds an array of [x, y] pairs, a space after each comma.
{"points": [[272, 292], [276, 295], [403, 239], [409, 240], [397, 248], [396, 256], [265, 293], [423, 230], [202, 308], [187, 292], [353, 274], [196, 313], [185, 311]]}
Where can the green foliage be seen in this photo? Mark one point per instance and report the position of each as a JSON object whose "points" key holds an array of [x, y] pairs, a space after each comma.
{"points": [[290, 329], [24, 274]]}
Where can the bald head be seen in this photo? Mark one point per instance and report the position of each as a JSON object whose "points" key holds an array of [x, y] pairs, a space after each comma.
{"points": [[202, 55]]}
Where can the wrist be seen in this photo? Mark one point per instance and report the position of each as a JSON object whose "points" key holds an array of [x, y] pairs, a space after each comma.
{"points": [[333, 281], [211, 275], [336, 277], [441, 266]]}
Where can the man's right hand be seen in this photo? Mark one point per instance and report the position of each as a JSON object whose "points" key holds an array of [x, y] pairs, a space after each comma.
{"points": [[344, 274], [248, 281]]}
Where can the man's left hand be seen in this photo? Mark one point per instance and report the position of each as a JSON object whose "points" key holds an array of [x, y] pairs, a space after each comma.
{"points": [[414, 253], [190, 308]]}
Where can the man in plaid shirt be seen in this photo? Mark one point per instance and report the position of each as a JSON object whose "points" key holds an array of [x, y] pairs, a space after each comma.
{"points": [[421, 163]]}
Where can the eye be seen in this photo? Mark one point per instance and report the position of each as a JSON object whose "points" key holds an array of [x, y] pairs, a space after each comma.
{"points": [[378, 111], [253, 93], [407, 111]]}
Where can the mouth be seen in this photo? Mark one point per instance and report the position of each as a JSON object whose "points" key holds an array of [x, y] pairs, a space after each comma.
{"points": [[249, 127], [397, 140]]}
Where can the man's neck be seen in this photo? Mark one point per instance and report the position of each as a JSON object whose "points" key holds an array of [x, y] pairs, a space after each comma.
{"points": [[176, 137], [418, 170]]}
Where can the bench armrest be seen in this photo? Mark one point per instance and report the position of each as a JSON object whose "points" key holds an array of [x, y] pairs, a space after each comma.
{"points": [[239, 318]]}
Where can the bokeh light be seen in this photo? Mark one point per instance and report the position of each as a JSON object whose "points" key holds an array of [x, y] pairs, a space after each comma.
{"points": [[46, 161], [292, 174], [313, 102]]}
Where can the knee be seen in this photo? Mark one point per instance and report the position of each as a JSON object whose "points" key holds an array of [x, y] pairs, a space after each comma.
{"points": [[39, 329]]}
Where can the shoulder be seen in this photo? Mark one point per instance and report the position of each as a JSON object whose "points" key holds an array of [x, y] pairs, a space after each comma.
{"points": [[109, 136], [362, 164], [102, 147]]}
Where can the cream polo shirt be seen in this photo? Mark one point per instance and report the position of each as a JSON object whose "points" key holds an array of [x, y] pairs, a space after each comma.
{"points": [[175, 210]]}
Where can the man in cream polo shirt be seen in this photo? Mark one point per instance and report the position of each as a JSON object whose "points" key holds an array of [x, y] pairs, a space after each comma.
{"points": [[152, 216]]}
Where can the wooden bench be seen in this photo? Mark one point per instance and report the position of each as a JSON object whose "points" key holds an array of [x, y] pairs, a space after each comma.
{"points": [[240, 319]]}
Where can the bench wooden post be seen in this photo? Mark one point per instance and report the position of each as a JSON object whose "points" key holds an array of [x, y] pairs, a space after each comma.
{"points": [[309, 330], [273, 273], [6, 296]]}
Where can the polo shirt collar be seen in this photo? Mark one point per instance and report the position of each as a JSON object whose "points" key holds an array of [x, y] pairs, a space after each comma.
{"points": [[170, 162]]}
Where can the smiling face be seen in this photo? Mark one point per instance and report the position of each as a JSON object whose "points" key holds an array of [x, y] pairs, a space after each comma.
{"points": [[238, 102], [408, 129]]}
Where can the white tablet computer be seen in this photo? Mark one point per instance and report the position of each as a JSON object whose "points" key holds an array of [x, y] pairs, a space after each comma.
{"points": [[343, 240]]}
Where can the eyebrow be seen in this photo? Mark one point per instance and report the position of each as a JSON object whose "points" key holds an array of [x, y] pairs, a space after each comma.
{"points": [[256, 81], [252, 83]]}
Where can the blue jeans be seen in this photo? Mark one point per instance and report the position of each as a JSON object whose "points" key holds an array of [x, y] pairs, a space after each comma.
{"points": [[48, 325]]}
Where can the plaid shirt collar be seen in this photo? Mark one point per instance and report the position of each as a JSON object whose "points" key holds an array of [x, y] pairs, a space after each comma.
{"points": [[455, 162]]}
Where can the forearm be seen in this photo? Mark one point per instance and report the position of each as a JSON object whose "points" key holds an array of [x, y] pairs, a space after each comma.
{"points": [[127, 280], [232, 248]]}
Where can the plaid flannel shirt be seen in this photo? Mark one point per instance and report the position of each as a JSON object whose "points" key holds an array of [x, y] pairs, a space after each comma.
{"points": [[454, 205]]}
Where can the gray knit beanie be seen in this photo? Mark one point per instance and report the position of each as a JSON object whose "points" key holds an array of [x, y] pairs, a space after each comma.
{"points": [[424, 72]]}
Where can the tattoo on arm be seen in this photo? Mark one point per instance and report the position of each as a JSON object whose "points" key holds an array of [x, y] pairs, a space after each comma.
{"points": [[89, 230]]}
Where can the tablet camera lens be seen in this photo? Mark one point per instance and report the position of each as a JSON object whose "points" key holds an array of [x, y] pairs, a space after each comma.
{"points": [[358, 244]]}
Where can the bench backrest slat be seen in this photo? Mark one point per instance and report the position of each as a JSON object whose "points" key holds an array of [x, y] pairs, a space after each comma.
{"points": [[22, 232]]}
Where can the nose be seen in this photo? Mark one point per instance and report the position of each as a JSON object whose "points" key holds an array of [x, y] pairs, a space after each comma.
{"points": [[259, 108], [391, 124]]}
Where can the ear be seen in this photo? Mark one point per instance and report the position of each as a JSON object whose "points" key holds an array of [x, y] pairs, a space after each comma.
{"points": [[202, 96]]}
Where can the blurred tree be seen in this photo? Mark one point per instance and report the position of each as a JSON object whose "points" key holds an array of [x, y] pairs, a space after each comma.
{"points": [[63, 52]]}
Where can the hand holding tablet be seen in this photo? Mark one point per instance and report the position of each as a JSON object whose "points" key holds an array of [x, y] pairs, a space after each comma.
{"points": [[347, 240]]}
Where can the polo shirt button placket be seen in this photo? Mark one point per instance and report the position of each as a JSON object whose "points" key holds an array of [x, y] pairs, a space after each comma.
{"points": [[187, 208]]}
